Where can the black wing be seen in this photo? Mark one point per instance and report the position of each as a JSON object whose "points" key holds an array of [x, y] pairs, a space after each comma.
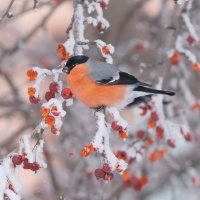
{"points": [[123, 78]]}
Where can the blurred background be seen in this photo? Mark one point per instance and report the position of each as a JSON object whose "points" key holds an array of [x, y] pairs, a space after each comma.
{"points": [[142, 32]]}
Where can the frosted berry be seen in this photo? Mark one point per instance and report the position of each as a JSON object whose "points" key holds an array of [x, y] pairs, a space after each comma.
{"points": [[17, 160], [34, 99], [49, 95], [66, 93], [99, 173], [115, 126], [103, 5], [53, 87], [105, 50], [123, 134], [99, 26], [106, 168]]}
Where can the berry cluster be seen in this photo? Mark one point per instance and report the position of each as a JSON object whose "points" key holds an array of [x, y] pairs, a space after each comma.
{"points": [[133, 181], [122, 132], [87, 150], [21, 159], [104, 173], [64, 55]]}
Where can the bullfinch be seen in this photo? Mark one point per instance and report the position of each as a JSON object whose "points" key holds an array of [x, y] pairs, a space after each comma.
{"points": [[99, 84]]}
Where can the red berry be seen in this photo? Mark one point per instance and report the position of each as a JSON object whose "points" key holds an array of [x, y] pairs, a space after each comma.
{"points": [[103, 5], [27, 165], [154, 116], [10, 186], [53, 87], [106, 168], [35, 166], [139, 47], [99, 26], [49, 95], [66, 93], [140, 134], [190, 39], [116, 127], [54, 130], [134, 181], [175, 58], [171, 143], [108, 176], [34, 99], [99, 173], [159, 132], [188, 137], [138, 186], [17, 160]]}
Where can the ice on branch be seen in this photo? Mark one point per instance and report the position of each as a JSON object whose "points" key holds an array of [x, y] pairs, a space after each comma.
{"points": [[101, 143]]}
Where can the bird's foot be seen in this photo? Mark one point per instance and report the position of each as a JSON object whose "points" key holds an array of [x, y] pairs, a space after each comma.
{"points": [[100, 109]]}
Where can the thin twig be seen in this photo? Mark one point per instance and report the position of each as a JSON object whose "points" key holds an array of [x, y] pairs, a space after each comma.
{"points": [[7, 10]]}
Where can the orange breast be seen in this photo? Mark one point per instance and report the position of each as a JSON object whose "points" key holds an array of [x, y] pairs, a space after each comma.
{"points": [[91, 94]]}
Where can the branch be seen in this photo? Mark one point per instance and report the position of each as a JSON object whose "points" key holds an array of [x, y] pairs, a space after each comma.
{"points": [[7, 10]]}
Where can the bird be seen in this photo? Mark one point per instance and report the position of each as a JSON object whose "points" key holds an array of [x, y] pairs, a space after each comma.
{"points": [[99, 85]]}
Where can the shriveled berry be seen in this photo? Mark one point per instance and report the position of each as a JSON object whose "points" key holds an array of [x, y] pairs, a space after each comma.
{"points": [[115, 126], [17, 160], [54, 87], [106, 168], [66, 93], [99, 173], [34, 99], [49, 95]]}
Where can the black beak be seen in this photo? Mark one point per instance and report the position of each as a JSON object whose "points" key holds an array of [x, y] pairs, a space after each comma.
{"points": [[66, 69]]}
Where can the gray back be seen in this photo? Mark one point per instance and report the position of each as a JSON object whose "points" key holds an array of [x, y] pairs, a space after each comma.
{"points": [[102, 71]]}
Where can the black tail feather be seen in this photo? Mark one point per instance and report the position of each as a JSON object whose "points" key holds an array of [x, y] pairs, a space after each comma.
{"points": [[139, 100], [154, 91]]}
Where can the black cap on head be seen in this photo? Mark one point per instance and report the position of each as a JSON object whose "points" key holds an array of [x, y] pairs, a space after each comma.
{"points": [[75, 60]]}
